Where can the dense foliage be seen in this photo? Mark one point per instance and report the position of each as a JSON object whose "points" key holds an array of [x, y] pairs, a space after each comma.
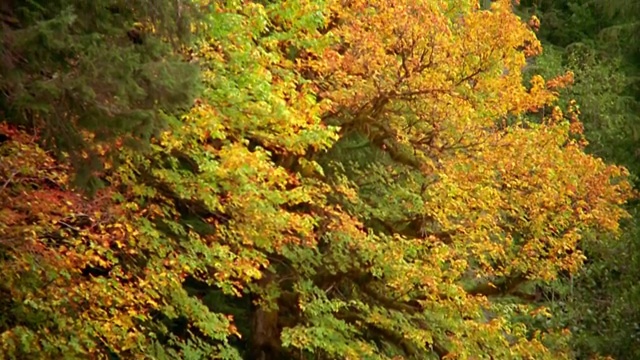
{"points": [[597, 40], [330, 180], [106, 67]]}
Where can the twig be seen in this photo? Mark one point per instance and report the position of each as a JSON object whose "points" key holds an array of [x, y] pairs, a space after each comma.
{"points": [[6, 183]]}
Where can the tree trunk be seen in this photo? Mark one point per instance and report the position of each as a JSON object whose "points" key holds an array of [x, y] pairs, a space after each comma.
{"points": [[265, 331]]}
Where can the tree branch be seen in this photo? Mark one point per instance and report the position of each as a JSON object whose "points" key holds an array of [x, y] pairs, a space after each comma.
{"points": [[508, 286]]}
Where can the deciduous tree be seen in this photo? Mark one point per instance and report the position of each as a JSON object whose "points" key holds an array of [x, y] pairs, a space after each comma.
{"points": [[399, 246]]}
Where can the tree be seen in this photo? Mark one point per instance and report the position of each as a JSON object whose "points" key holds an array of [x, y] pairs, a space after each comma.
{"points": [[348, 170], [92, 73]]}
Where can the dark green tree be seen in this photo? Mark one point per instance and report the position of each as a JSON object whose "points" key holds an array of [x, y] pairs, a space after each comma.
{"points": [[106, 70]]}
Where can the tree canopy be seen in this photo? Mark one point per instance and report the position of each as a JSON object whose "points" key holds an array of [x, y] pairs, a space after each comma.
{"points": [[352, 180]]}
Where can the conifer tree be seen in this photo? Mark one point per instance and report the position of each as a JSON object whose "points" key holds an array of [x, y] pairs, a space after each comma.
{"points": [[100, 70]]}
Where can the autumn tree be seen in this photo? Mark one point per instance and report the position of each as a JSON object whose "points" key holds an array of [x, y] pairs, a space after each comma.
{"points": [[350, 185], [425, 104]]}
